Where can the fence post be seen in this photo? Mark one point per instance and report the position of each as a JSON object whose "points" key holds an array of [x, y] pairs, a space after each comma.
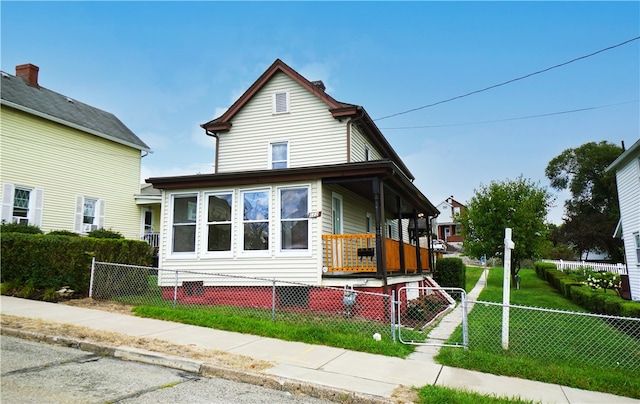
{"points": [[93, 268], [175, 291], [273, 300], [393, 315], [506, 287], [465, 327]]}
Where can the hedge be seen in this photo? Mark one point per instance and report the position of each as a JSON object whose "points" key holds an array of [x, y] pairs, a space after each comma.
{"points": [[36, 265], [450, 272], [595, 301]]}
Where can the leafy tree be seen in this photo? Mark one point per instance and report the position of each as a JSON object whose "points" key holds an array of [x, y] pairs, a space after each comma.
{"points": [[592, 212], [520, 205]]}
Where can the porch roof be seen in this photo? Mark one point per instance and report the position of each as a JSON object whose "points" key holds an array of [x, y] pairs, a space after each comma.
{"points": [[358, 175]]}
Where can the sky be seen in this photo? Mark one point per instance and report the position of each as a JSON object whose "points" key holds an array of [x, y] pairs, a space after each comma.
{"points": [[165, 68]]}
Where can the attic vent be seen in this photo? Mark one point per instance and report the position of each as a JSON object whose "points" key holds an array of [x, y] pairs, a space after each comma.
{"points": [[281, 103], [4, 74], [69, 100]]}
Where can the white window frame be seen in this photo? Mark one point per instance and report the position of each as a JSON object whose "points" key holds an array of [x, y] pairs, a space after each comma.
{"points": [[367, 153], [206, 223], [272, 161], [277, 103], [98, 219], [36, 202], [170, 227], [278, 232], [368, 223], [241, 222], [636, 241]]}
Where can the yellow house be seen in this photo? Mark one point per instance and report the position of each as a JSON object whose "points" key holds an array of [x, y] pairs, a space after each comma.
{"points": [[66, 165]]}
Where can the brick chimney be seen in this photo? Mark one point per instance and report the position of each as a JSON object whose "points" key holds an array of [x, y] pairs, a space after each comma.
{"points": [[28, 73]]}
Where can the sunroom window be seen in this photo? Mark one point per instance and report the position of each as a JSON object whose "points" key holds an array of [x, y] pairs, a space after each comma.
{"points": [[219, 222], [184, 223], [294, 224], [255, 220]]}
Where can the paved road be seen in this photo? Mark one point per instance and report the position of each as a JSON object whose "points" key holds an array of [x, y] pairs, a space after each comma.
{"points": [[40, 373]]}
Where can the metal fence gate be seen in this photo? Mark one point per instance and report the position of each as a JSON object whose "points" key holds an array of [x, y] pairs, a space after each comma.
{"points": [[430, 316]]}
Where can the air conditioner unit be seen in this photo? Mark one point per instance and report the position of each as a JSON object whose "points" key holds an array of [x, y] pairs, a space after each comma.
{"points": [[20, 220], [87, 227]]}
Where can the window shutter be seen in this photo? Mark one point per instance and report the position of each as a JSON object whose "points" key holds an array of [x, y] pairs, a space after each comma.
{"points": [[77, 226], [280, 103], [38, 204], [7, 202], [100, 213]]}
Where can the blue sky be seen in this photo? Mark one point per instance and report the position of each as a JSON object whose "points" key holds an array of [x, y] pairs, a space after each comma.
{"points": [[164, 68]]}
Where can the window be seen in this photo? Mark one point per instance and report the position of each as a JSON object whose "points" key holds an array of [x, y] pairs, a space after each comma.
{"points": [[294, 224], [255, 220], [279, 155], [148, 221], [22, 204], [368, 225], [90, 214], [636, 237], [367, 153], [184, 223], [281, 103], [219, 221]]}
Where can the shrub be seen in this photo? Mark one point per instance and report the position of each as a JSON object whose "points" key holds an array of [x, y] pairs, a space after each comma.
{"points": [[19, 228], [450, 272], [63, 233], [104, 233]]}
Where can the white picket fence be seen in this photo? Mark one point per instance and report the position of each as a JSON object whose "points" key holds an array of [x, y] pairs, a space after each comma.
{"points": [[618, 268]]}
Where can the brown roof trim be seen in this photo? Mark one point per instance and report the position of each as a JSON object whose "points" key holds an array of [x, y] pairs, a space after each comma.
{"points": [[219, 124]]}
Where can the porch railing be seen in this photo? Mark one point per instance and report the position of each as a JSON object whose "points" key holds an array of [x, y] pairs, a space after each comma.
{"points": [[357, 253], [152, 238]]}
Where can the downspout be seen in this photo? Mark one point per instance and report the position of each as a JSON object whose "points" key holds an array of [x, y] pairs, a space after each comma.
{"points": [[215, 135]]}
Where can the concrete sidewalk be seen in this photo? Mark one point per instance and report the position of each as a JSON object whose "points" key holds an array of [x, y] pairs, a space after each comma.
{"points": [[367, 377]]}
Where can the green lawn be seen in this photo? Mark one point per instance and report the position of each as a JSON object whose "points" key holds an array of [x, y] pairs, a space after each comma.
{"points": [[549, 347]]}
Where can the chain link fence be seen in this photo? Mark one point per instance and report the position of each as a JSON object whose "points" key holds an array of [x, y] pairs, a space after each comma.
{"points": [[556, 335], [225, 298]]}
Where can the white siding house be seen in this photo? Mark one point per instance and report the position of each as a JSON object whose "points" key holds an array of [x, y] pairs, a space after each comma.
{"points": [[306, 189], [627, 168]]}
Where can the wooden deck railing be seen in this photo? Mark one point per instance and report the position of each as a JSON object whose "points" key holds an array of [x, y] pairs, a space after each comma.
{"points": [[356, 253]]}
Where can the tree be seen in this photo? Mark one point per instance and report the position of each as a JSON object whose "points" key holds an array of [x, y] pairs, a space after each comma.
{"points": [[520, 205], [592, 213]]}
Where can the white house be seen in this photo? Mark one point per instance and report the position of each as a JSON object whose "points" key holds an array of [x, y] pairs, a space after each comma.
{"points": [[627, 169], [306, 189]]}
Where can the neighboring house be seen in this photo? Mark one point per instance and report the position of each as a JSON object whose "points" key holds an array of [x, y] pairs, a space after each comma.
{"points": [[447, 227], [627, 169], [306, 189], [65, 165]]}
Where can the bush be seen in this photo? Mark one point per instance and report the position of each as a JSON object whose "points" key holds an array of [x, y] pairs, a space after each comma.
{"points": [[19, 228], [63, 233], [450, 272], [33, 264], [104, 233]]}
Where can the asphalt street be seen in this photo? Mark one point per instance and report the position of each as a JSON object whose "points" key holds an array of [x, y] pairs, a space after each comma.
{"points": [[34, 372]]}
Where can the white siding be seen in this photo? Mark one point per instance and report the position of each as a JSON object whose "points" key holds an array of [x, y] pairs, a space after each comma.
{"points": [[359, 144], [309, 128], [297, 267], [628, 181], [66, 162]]}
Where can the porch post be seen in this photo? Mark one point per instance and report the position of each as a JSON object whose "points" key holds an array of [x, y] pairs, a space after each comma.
{"points": [[378, 205], [403, 267], [417, 235]]}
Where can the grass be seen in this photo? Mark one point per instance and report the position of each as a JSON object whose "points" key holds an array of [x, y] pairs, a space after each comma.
{"points": [[567, 354], [442, 395], [472, 276]]}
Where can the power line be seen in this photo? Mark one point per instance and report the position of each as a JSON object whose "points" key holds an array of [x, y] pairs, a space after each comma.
{"points": [[512, 119], [509, 81]]}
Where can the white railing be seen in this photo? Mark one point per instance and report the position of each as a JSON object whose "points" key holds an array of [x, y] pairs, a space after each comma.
{"points": [[152, 238], [618, 268]]}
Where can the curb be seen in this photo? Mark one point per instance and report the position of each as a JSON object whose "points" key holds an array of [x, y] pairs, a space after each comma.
{"points": [[203, 369]]}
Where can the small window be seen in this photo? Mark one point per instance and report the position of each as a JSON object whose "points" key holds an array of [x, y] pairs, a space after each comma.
{"points": [[281, 103], [368, 224], [367, 153], [279, 155], [184, 223], [636, 236]]}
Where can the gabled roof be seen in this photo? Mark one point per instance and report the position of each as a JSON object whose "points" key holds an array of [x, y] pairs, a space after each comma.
{"points": [[337, 109], [47, 104], [634, 150]]}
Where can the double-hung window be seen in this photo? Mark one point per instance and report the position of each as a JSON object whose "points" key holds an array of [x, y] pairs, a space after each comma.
{"points": [[255, 220], [90, 214], [279, 155], [219, 229], [294, 222], [184, 216], [22, 204], [636, 240]]}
